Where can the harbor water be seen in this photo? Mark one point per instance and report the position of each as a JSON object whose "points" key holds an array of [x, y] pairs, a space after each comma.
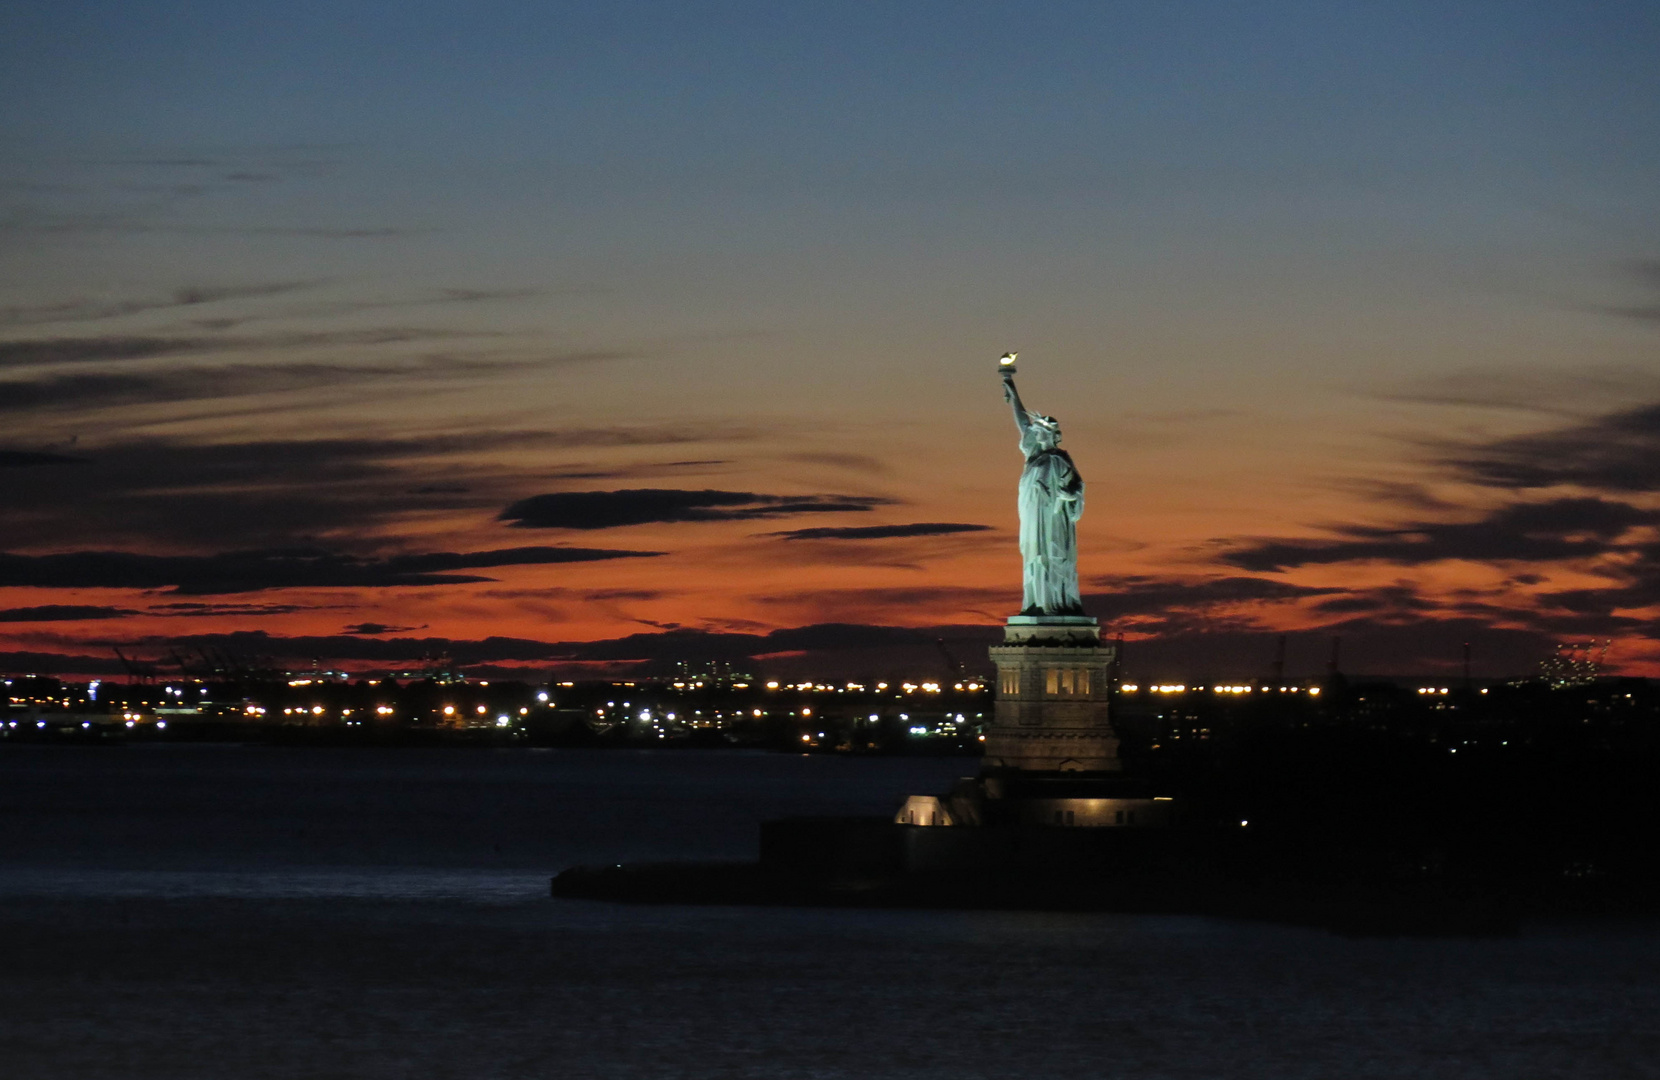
{"points": [[243, 911]]}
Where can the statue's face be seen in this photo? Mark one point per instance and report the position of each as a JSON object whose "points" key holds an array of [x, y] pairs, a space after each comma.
{"points": [[1048, 437]]}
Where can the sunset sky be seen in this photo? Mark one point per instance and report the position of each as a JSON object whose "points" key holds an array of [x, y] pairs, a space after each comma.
{"points": [[559, 334]]}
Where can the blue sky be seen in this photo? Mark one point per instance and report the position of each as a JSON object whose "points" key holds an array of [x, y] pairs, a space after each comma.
{"points": [[1274, 265]]}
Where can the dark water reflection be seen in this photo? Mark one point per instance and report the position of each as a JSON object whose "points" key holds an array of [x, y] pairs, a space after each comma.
{"points": [[219, 912]]}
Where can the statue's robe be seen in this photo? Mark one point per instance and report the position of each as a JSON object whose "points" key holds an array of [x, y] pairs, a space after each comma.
{"points": [[1051, 502]]}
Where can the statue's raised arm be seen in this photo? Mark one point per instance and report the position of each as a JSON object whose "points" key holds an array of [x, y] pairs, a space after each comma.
{"points": [[1021, 419]]}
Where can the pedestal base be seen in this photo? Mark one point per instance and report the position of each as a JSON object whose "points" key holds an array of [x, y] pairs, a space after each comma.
{"points": [[1054, 680]]}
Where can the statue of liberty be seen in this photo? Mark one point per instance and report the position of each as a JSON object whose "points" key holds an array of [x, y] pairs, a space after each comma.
{"points": [[1051, 502]]}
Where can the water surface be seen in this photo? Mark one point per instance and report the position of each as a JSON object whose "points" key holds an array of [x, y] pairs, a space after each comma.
{"points": [[187, 911]]}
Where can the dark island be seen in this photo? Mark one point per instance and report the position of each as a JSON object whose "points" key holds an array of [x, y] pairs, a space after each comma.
{"points": [[1368, 809]]}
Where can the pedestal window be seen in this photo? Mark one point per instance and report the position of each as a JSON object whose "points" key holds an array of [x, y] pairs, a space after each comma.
{"points": [[1066, 682]]}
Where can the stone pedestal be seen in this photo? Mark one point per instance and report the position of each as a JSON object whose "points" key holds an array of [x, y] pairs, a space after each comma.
{"points": [[1054, 674]]}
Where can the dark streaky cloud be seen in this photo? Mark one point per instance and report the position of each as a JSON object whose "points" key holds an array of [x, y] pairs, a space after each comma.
{"points": [[41, 663], [118, 347], [1603, 470], [146, 347], [880, 532], [264, 493], [95, 349], [662, 646], [62, 613], [641, 506], [1647, 272], [105, 389], [24, 459], [1557, 530], [863, 463], [1618, 452], [1139, 594], [196, 610], [251, 571], [82, 310]]}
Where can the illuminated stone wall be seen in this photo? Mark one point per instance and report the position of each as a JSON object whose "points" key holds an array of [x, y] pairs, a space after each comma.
{"points": [[1053, 698]]}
